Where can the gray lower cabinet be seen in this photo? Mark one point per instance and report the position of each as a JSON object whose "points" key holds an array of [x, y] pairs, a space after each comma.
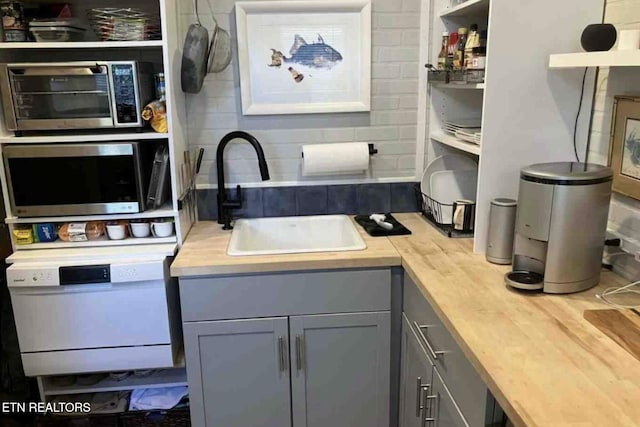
{"points": [[442, 411], [415, 377], [236, 373], [457, 396], [340, 370], [309, 349]]}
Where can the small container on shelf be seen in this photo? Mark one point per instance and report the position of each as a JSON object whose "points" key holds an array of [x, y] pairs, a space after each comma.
{"points": [[124, 24], [454, 220], [436, 75], [56, 30]]}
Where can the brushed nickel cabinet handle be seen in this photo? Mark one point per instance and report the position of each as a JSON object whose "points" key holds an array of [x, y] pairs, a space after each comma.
{"points": [[285, 354], [429, 417], [280, 354], [302, 353], [419, 388], [298, 353], [419, 328]]}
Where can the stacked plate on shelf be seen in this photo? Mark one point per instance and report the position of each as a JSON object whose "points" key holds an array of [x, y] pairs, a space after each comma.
{"points": [[465, 129]]}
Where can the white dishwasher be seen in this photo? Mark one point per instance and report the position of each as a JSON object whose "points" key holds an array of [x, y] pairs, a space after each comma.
{"points": [[75, 316]]}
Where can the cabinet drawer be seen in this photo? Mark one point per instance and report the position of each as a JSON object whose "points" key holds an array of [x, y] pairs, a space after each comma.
{"points": [[466, 386], [285, 294]]}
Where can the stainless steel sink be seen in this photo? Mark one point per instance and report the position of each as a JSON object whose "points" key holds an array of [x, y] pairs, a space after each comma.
{"points": [[289, 235]]}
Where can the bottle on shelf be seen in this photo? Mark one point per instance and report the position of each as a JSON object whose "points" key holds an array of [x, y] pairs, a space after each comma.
{"points": [[473, 41], [458, 59], [443, 56], [453, 42]]}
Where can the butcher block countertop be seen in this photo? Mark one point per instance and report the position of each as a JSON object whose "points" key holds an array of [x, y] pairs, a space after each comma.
{"points": [[205, 253], [545, 364]]}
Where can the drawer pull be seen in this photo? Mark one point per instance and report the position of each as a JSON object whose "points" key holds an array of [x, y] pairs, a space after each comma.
{"points": [[299, 353], [434, 354], [419, 388], [281, 353], [429, 417]]}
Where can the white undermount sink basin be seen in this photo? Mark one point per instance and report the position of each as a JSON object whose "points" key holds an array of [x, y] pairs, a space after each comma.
{"points": [[290, 235]]}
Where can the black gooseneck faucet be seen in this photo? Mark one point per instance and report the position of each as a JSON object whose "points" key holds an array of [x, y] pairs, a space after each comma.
{"points": [[226, 205]]}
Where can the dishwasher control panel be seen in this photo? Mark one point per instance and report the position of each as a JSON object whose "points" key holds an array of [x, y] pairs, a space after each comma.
{"points": [[33, 275]]}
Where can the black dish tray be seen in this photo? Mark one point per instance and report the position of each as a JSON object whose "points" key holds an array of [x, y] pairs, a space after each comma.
{"points": [[433, 211]]}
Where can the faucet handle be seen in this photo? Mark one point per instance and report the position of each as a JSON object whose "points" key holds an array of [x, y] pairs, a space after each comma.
{"points": [[234, 203]]}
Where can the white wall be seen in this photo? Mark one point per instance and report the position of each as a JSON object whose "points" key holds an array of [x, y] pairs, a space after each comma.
{"points": [[624, 215], [391, 124]]}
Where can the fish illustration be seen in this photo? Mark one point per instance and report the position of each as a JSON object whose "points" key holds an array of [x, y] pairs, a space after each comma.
{"points": [[633, 145], [316, 55]]}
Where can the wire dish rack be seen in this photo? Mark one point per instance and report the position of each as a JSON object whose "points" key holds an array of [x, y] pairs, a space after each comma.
{"points": [[442, 215], [124, 24]]}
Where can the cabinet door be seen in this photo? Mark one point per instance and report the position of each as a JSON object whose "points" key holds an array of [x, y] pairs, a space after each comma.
{"points": [[442, 411], [238, 372], [415, 377], [340, 369]]}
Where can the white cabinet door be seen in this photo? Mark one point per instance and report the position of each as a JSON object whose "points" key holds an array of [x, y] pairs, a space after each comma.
{"points": [[415, 377], [238, 372], [340, 369]]}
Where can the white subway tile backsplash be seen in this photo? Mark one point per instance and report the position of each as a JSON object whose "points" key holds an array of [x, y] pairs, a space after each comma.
{"points": [[385, 102], [396, 20], [391, 124], [386, 37], [381, 87], [377, 133], [385, 71]]}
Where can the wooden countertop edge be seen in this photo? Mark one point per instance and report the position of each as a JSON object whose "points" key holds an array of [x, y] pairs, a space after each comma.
{"points": [[504, 403], [288, 265]]}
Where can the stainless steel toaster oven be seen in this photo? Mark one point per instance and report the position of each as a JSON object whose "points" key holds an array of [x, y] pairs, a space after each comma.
{"points": [[74, 95]]}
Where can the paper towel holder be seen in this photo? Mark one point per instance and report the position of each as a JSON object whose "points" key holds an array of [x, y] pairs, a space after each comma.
{"points": [[372, 150]]}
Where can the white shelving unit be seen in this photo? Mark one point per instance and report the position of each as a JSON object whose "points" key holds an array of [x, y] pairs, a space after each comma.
{"points": [[467, 8], [457, 143], [82, 137], [526, 112], [457, 86], [164, 212], [83, 45], [613, 58], [162, 378], [101, 242], [163, 55]]}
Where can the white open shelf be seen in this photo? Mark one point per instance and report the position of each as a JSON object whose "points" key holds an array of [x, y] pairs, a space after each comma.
{"points": [[456, 143], [103, 241], [469, 7], [82, 137], [162, 378], [82, 45], [613, 58], [442, 85], [164, 212]]}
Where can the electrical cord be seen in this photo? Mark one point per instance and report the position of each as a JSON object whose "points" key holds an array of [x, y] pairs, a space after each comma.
{"points": [[575, 126], [627, 289]]}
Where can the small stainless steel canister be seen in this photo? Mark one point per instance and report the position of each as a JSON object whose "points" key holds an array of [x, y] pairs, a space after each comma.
{"points": [[502, 223], [14, 27]]}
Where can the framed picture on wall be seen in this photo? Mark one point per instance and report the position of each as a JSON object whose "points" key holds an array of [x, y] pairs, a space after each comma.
{"points": [[300, 57], [624, 149]]}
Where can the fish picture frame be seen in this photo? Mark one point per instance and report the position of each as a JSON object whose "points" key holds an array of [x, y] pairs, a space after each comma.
{"points": [[624, 148], [304, 57]]}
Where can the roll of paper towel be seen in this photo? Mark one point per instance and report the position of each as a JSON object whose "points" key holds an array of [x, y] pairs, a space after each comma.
{"points": [[335, 159]]}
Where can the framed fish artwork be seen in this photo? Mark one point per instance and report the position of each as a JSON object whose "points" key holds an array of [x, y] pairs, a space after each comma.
{"points": [[304, 57], [624, 149]]}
